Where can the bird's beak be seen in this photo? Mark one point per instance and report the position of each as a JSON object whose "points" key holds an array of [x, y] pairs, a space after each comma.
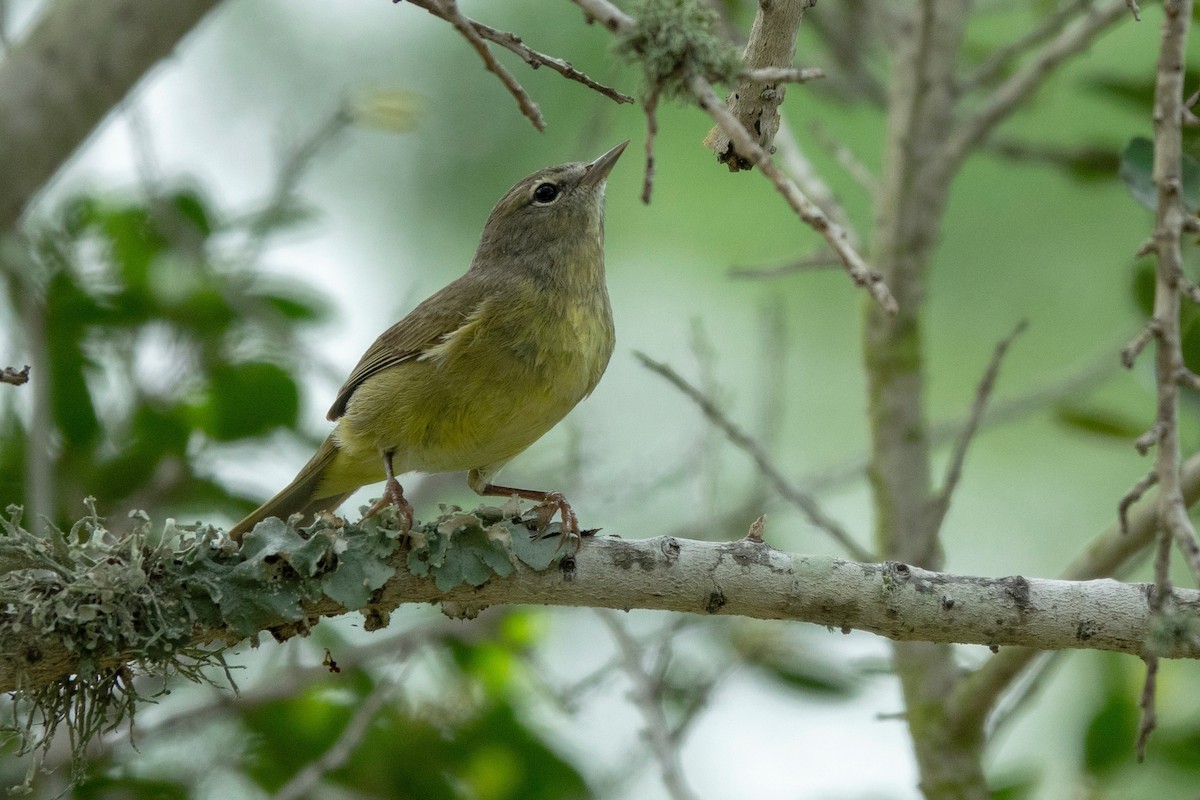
{"points": [[598, 170]]}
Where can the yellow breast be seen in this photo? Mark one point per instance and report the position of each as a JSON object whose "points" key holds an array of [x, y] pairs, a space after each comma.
{"points": [[485, 392]]}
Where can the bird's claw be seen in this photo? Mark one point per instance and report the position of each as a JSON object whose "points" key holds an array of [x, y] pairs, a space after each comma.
{"points": [[393, 495]]}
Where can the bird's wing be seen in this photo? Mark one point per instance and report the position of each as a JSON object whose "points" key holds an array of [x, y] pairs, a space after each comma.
{"points": [[427, 326]]}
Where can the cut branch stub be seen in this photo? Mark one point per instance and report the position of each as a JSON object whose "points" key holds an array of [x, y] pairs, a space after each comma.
{"points": [[754, 102]]}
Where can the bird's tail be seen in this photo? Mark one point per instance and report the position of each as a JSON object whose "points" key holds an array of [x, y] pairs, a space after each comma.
{"points": [[302, 496]]}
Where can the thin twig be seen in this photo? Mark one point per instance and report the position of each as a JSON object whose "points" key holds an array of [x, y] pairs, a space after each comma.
{"points": [[807, 505], [14, 376], [1000, 60], [1001, 412], [959, 454], [845, 158], [1137, 11], [651, 108], [808, 211], [1145, 443], [448, 10], [1137, 344], [1190, 289], [835, 234], [535, 59], [291, 171], [1132, 496], [1012, 93], [1168, 234], [782, 74], [1149, 719], [648, 693], [819, 261], [797, 165]]}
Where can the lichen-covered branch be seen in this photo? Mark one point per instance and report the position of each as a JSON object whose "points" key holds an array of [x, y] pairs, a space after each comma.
{"points": [[702, 92], [281, 582]]}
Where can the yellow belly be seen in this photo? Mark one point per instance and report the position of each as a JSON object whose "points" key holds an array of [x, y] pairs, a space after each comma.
{"points": [[485, 396]]}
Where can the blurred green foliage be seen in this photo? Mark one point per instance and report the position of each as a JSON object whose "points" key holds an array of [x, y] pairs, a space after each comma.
{"points": [[159, 346]]}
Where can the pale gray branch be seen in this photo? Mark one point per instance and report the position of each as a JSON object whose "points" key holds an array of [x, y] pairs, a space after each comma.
{"points": [[63, 78], [754, 101]]}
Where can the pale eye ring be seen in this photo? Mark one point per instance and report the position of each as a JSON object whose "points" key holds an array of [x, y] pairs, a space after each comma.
{"points": [[545, 193]]}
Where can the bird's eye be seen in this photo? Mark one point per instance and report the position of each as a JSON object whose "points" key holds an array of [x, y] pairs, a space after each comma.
{"points": [[545, 193]]}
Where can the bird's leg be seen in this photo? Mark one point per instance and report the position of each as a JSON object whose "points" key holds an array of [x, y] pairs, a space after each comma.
{"points": [[548, 504], [393, 494]]}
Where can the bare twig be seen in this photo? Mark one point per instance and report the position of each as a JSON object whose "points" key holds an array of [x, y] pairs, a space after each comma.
{"points": [[807, 505], [1149, 718], [782, 74], [1133, 7], [1131, 497], [941, 503], [448, 10], [1190, 289], [534, 59], [1137, 344], [845, 158], [1189, 379], [1012, 93], [648, 694], [819, 261], [797, 165], [14, 376], [835, 234], [1005, 56], [651, 109], [808, 211], [1145, 443]]}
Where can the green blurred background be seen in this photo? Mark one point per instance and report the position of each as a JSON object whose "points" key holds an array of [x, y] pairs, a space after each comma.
{"points": [[179, 295]]}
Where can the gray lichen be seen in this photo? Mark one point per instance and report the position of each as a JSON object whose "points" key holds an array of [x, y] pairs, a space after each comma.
{"points": [[673, 40], [169, 601]]}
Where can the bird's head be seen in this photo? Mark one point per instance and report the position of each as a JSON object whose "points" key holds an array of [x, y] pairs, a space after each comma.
{"points": [[549, 216]]}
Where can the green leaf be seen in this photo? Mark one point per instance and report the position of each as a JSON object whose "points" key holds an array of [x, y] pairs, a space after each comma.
{"points": [[1142, 286], [1137, 171], [296, 308], [129, 787], [67, 307], [134, 241], [249, 399], [192, 207], [1099, 421], [1109, 738]]}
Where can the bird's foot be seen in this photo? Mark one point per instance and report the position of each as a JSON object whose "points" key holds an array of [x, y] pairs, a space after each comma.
{"points": [[554, 504], [393, 495]]}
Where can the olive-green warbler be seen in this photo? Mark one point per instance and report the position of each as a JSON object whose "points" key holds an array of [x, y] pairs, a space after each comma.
{"points": [[483, 368]]}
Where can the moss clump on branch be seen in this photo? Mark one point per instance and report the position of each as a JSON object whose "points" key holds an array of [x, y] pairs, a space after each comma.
{"points": [[673, 40], [80, 611]]}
